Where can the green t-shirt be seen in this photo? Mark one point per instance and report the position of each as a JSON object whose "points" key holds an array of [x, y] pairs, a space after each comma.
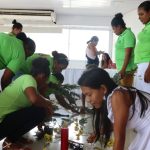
{"points": [[26, 68], [13, 97], [142, 49], [12, 54], [125, 40]]}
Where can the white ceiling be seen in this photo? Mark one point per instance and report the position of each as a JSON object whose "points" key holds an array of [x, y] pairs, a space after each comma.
{"points": [[76, 7]]}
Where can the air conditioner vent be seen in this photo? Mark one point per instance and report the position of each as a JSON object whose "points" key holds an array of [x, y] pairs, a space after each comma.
{"points": [[28, 17], [28, 12]]}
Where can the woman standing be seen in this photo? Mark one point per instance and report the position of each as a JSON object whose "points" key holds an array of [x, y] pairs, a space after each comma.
{"points": [[124, 50], [142, 49], [91, 51]]}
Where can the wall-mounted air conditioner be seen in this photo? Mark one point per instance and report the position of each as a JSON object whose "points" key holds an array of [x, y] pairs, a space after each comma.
{"points": [[28, 17]]}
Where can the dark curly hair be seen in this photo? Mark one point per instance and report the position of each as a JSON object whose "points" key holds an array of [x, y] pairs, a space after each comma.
{"points": [[60, 58], [118, 20], [40, 65]]}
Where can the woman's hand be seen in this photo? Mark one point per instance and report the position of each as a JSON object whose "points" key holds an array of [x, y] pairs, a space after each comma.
{"points": [[49, 108], [147, 75], [122, 73], [91, 138], [100, 52]]}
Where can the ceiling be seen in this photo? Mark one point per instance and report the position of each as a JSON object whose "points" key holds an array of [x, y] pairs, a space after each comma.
{"points": [[76, 7]]}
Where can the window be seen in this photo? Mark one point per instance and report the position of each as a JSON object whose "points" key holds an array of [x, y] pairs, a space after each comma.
{"points": [[48, 42], [71, 42]]}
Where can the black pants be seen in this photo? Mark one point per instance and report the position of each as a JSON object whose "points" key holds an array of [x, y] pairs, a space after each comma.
{"points": [[92, 61], [20, 122]]}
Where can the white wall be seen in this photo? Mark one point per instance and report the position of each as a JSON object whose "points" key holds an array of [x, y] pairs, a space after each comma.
{"points": [[84, 20], [72, 20], [132, 21]]}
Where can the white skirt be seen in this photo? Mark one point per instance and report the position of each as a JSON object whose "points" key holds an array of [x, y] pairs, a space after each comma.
{"points": [[139, 82]]}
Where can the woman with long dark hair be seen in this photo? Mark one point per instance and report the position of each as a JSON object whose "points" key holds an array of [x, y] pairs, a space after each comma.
{"points": [[125, 107]]}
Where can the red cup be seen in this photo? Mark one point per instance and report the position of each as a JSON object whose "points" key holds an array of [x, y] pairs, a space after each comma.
{"points": [[64, 138]]}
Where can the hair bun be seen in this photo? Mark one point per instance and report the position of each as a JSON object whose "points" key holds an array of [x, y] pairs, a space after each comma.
{"points": [[55, 53], [14, 21], [119, 15]]}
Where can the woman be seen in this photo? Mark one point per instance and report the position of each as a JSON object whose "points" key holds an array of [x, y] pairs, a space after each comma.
{"points": [[91, 51], [16, 28], [106, 62], [126, 108], [57, 63], [21, 106], [13, 52], [124, 50], [142, 49]]}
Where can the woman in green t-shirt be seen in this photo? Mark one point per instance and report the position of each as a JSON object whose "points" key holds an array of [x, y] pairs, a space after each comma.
{"points": [[21, 106], [58, 62], [124, 50], [13, 52], [142, 49]]}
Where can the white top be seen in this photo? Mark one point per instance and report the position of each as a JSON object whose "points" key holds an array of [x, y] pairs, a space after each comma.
{"points": [[140, 124], [90, 53]]}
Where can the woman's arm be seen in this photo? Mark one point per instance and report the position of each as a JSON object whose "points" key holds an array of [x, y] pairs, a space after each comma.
{"points": [[120, 107], [6, 78], [38, 100], [147, 74], [128, 52]]}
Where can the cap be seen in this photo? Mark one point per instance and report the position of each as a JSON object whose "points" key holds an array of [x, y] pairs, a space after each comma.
{"points": [[93, 39]]}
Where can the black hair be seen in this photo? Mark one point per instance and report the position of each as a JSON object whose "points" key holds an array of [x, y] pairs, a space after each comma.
{"points": [[107, 57], [118, 21], [102, 124], [22, 36], [60, 58], [28, 43], [16, 24], [59, 76], [144, 100], [145, 5], [40, 65], [94, 79]]}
